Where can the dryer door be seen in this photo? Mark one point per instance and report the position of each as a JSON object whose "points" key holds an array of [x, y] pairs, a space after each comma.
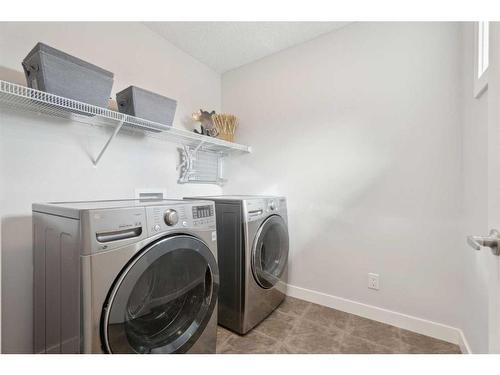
{"points": [[163, 300], [270, 251]]}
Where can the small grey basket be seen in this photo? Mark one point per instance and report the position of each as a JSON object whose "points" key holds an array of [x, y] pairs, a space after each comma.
{"points": [[56, 72], [147, 105]]}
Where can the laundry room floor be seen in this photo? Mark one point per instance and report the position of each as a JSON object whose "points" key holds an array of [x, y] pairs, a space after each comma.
{"points": [[302, 327]]}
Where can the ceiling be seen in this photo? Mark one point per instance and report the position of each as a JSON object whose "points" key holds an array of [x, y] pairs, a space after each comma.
{"points": [[227, 45]]}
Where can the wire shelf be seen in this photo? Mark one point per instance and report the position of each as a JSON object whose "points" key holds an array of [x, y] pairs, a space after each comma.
{"points": [[27, 99]]}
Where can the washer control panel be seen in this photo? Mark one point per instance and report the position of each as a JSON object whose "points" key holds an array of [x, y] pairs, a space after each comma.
{"points": [[112, 228], [187, 215], [171, 217], [203, 215], [201, 212]]}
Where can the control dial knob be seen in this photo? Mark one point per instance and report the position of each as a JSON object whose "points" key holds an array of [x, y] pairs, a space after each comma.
{"points": [[171, 217], [272, 205]]}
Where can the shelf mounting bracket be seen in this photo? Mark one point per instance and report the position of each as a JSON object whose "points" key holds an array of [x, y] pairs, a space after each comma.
{"points": [[198, 147], [115, 132]]}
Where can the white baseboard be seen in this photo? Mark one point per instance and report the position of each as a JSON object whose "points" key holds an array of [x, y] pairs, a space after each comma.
{"points": [[411, 323], [462, 342]]}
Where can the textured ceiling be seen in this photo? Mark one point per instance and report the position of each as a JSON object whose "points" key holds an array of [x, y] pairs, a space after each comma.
{"points": [[227, 45]]}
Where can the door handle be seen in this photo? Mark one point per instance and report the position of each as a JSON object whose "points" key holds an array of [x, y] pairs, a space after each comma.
{"points": [[492, 241]]}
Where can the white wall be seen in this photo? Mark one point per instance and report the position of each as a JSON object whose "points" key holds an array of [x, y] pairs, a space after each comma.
{"points": [[360, 129], [475, 202], [46, 159]]}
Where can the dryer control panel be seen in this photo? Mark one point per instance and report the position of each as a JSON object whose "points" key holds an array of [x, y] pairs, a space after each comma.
{"points": [[258, 208], [255, 209]]}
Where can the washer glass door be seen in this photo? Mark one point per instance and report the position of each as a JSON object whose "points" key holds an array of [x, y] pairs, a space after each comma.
{"points": [[270, 251], [163, 299]]}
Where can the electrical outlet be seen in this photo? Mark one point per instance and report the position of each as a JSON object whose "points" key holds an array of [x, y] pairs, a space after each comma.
{"points": [[373, 281]]}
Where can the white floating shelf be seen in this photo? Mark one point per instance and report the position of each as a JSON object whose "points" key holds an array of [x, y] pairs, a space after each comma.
{"points": [[26, 99]]}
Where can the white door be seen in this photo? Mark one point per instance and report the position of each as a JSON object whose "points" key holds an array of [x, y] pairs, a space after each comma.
{"points": [[493, 239]]}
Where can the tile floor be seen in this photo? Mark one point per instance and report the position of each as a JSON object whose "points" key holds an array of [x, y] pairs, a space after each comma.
{"points": [[301, 327]]}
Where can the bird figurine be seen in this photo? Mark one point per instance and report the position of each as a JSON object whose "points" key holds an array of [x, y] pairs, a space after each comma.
{"points": [[206, 123]]}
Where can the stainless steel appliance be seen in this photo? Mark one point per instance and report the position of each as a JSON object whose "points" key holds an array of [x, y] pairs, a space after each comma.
{"points": [[125, 276], [252, 255]]}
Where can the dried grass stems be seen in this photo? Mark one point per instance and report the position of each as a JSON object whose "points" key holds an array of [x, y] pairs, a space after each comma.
{"points": [[226, 125]]}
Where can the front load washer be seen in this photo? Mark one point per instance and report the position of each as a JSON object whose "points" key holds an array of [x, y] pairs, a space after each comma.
{"points": [[252, 257], [125, 276]]}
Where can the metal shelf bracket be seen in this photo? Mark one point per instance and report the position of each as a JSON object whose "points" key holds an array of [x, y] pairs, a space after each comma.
{"points": [[199, 146], [104, 148]]}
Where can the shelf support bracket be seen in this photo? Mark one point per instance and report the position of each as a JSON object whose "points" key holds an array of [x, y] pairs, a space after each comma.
{"points": [[198, 147], [115, 132]]}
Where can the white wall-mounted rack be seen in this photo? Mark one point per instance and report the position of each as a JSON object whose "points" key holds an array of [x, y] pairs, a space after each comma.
{"points": [[27, 99], [199, 166]]}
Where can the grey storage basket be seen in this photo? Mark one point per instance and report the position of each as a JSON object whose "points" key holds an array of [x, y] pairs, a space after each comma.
{"points": [[147, 105], [56, 72]]}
